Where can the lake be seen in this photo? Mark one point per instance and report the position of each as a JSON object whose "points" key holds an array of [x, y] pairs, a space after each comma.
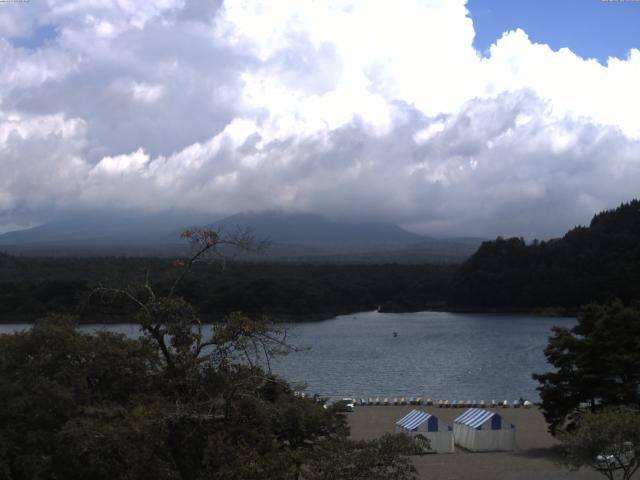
{"points": [[436, 354]]}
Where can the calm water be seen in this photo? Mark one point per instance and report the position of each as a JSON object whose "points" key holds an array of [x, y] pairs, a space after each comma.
{"points": [[442, 355]]}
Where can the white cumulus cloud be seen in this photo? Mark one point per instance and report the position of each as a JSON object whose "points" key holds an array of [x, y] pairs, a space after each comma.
{"points": [[348, 108]]}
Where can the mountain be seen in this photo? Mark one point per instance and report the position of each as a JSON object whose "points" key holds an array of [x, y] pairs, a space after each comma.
{"points": [[307, 237], [102, 233], [589, 264], [300, 237], [278, 226]]}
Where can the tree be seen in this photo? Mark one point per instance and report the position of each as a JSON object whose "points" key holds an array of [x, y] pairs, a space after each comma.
{"points": [[64, 400], [595, 263], [597, 363], [174, 404], [608, 440], [381, 459]]}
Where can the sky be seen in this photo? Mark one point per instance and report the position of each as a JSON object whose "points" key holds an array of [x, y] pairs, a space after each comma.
{"points": [[591, 29], [483, 118]]}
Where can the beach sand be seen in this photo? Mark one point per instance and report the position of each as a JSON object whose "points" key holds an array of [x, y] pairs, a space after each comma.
{"points": [[536, 457]]}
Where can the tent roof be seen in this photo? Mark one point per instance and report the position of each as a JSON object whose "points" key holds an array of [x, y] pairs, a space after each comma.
{"points": [[474, 417], [413, 419]]}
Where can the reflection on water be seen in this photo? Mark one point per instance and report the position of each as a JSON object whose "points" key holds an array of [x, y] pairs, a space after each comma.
{"points": [[442, 355]]}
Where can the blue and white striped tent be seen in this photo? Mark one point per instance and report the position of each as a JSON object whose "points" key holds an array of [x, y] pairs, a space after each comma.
{"points": [[415, 418], [417, 422], [475, 417], [483, 430]]}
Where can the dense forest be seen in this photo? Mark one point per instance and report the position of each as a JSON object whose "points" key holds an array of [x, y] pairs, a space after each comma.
{"points": [[32, 286], [589, 264]]}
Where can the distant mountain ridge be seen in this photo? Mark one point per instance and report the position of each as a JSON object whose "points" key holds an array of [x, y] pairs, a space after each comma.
{"points": [[105, 230], [294, 237], [281, 226], [595, 263]]}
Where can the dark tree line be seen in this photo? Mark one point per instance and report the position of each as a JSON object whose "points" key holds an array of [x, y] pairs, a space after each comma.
{"points": [[34, 286], [597, 263]]}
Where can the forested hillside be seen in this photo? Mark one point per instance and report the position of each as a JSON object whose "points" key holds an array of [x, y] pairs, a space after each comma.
{"points": [[595, 263], [33, 286], [589, 264]]}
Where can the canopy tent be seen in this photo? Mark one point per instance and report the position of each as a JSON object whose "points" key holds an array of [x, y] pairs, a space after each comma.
{"points": [[422, 423], [482, 430]]}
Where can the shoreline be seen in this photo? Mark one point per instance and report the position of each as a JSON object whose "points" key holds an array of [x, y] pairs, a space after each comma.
{"points": [[8, 319]]}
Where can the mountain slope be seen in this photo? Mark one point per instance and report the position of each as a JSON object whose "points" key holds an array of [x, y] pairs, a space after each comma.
{"points": [[293, 237], [306, 237], [103, 231], [307, 227], [595, 263]]}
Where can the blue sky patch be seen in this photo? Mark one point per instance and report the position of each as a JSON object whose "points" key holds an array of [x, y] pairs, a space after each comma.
{"points": [[42, 36], [590, 28]]}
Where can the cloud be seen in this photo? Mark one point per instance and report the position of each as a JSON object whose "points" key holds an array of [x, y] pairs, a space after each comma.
{"points": [[41, 160], [353, 109], [583, 88]]}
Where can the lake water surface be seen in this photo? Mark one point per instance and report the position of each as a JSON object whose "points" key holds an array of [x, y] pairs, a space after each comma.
{"points": [[436, 354]]}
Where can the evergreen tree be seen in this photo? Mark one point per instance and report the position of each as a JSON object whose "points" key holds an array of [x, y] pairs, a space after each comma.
{"points": [[597, 363]]}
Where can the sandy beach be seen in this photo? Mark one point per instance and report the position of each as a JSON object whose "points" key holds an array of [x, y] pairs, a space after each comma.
{"points": [[536, 456]]}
